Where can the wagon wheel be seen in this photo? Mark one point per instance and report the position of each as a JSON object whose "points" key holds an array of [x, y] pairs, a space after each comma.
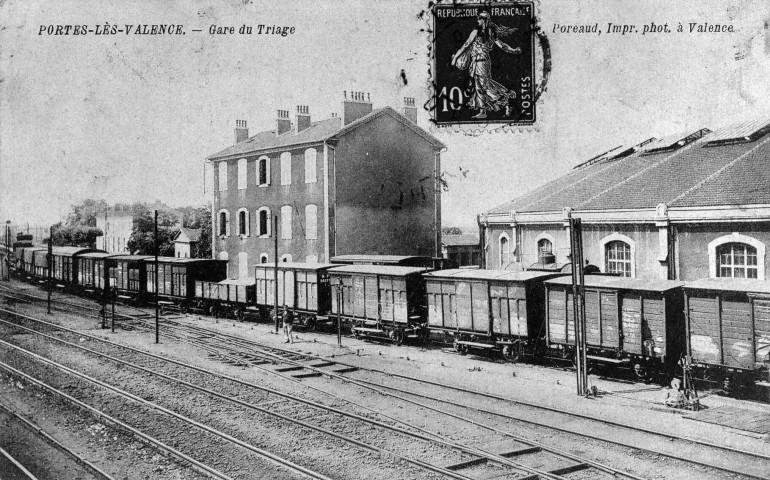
{"points": [[185, 308], [238, 313], [311, 323], [512, 353], [397, 336]]}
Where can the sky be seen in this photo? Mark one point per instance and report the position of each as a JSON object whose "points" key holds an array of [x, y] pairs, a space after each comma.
{"points": [[131, 118]]}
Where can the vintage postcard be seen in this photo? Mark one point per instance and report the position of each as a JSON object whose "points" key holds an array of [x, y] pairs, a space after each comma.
{"points": [[403, 239]]}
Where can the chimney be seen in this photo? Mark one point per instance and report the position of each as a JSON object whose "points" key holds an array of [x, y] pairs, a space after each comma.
{"points": [[409, 110], [358, 105], [303, 117], [283, 124], [241, 131]]}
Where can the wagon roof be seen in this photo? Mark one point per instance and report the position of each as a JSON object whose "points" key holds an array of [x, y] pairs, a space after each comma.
{"points": [[370, 259], [496, 275], [730, 284], [131, 258], [98, 255], [297, 266], [395, 270], [621, 283], [181, 260], [70, 251]]}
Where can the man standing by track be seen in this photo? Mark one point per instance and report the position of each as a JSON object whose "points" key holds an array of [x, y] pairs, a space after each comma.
{"points": [[288, 320]]}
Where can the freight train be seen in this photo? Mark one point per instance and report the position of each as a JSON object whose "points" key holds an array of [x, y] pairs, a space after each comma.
{"points": [[721, 326]]}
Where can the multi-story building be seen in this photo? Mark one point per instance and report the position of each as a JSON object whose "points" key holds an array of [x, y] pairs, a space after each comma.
{"points": [[364, 182], [689, 206], [115, 224], [185, 242]]}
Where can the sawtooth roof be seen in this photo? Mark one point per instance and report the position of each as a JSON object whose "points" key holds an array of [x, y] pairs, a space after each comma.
{"points": [[317, 132], [718, 169]]}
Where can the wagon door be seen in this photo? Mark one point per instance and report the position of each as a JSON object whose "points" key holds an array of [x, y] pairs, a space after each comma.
{"points": [[301, 290], [517, 306], [594, 320], [480, 301], [498, 295], [372, 297], [736, 332], [435, 307], [288, 294], [654, 323], [464, 308], [609, 313], [179, 281], [449, 299], [703, 319], [557, 315], [400, 295], [386, 299], [631, 318], [761, 309]]}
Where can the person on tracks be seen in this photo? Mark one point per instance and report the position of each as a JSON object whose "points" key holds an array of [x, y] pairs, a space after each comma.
{"points": [[288, 321]]}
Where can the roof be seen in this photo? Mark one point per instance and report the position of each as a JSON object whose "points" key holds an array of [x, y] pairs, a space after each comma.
{"points": [[375, 259], [620, 283], [239, 281], [97, 255], [745, 285], [694, 175], [495, 275], [71, 251], [459, 240], [317, 132], [193, 234], [296, 266], [131, 258], [394, 270], [181, 260]]}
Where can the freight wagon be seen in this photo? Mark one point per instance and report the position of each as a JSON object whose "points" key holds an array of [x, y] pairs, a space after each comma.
{"points": [[489, 309], [65, 264], [178, 278], [380, 300], [628, 321], [303, 287], [128, 276], [728, 330], [229, 297], [395, 260], [27, 259], [93, 271]]}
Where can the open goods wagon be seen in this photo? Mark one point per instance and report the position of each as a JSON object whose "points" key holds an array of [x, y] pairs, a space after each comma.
{"points": [[728, 330], [488, 308], [628, 321], [380, 300], [302, 287], [177, 278], [229, 297]]}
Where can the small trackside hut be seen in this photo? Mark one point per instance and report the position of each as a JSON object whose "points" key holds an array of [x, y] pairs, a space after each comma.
{"points": [[488, 309], [380, 300], [177, 278], [302, 287], [728, 331], [629, 321]]}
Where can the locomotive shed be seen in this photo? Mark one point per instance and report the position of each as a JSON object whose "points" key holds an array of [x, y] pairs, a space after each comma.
{"points": [[626, 404]]}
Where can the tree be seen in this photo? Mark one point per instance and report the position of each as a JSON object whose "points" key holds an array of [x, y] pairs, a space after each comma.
{"points": [[202, 219], [84, 214], [451, 231], [142, 240], [75, 235]]}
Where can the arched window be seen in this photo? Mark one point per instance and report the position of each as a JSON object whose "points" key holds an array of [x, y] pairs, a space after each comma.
{"points": [[222, 176], [286, 257], [737, 260], [311, 222], [617, 258], [242, 182], [263, 222], [310, 165], [286, 168], [286, 222], [243, 222], [263, 171], [544, 247], [243, 265], [263, 258], [505, 250], [224, 223]]}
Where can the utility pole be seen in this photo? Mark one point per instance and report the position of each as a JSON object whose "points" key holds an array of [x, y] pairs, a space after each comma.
{"points": [[157, 248], [275, 269], [7, 250], [578, 303], [339, 309], [50, 266]]}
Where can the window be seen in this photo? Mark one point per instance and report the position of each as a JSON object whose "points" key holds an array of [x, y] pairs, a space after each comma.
{"points": [[286, 168], [224, 223], [263, 258], [286, 258], [242, 174], [222, 176], [505, 250], [737, 260], [243, 265], [263, 171], [263, 222], [618, 258], [544, 247], [243, 222], [310, 165], [286, 222], [311, 222]]}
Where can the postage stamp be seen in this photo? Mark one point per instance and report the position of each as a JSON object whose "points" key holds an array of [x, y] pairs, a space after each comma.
{"points": [[484, 64]]}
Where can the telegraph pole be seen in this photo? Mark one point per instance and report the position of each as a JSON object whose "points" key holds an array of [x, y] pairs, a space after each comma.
{"points": [[157, 247], [578, 303], [7, 250], [50, 266], [275, 268]]}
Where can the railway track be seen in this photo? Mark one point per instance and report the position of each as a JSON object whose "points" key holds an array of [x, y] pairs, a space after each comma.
{"points": [[470, 458], [289, 364]]}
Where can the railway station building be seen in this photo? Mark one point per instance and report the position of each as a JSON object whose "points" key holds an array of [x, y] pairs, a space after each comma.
{"points": [[688, 206], [361, 182]]}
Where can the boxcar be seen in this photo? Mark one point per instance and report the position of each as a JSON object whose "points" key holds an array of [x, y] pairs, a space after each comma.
{"points": [[728, 329], [128, 276], [488, 308], [177, 277], [627, 320], [28, 260], [65, 265], [40, 264], [93, 271], [302, 287], [380, 300]]}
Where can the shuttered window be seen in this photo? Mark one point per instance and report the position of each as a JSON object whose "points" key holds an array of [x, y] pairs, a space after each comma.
{"points": [[310, 165], [286, 222], [286, 168], [222, 176], [311, 222], [242, 174]]}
